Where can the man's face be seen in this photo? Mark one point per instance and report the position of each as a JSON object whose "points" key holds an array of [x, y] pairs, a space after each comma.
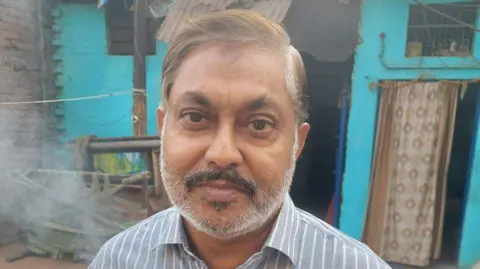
{"points": [[229, 139]]}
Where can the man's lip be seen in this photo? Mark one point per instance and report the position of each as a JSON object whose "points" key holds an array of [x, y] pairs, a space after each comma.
{"points": [[222, 185], [219, 195]]}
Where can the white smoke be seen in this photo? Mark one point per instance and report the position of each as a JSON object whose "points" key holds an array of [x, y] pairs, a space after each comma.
{"points": [[47, 210]]}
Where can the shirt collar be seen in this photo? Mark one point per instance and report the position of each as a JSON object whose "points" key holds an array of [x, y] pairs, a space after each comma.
{"points": [[281, 238], [171, 229], [283, 233]]}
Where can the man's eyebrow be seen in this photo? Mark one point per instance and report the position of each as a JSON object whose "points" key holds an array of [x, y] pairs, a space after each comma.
{"points": [[194, 97], [260, 103]]}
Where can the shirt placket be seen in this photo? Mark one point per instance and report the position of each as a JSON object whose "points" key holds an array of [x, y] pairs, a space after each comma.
{"points": [[253, 262], [194, 261]]}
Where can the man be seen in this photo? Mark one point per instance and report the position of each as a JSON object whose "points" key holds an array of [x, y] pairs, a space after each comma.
{"points": [[232, 125]]}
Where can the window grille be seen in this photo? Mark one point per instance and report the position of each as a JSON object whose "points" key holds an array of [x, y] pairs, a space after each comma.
{"points": [[119, 24], [441, 29]]}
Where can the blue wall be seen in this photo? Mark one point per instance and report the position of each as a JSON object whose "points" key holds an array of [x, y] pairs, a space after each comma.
{"points": [[390, 17], [84, 68]]}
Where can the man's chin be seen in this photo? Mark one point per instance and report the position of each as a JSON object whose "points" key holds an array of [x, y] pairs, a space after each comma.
{"points": [[204, 205], [216, 216], [219, 228], [217, 212]]}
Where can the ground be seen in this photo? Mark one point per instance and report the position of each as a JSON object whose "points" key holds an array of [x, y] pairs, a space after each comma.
{"points": [[33, 263]]}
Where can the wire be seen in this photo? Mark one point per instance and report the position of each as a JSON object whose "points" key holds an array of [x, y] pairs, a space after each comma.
{"points": [[99, 96], [402, 84], [87, 122]]}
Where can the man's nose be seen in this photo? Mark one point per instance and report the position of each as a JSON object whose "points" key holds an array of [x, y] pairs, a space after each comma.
{"points": [[223, 151]]}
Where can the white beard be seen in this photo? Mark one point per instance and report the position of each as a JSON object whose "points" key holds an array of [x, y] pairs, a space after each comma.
{"points": [[262, 208]]}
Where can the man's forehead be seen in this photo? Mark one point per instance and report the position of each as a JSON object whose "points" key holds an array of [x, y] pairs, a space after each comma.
{"points": [[232, 61], [206, 78]]}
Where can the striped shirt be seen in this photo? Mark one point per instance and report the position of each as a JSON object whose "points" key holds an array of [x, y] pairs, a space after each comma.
{"points": [[298, 240]]}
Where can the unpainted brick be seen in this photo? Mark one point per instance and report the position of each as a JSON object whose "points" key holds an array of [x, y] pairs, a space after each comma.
{"points": [[22, 130], [19, 5]]}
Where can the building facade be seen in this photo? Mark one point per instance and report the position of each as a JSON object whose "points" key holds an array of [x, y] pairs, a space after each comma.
{"points": [[84, 67], [25, 129], [25, 76], [389, 51]]}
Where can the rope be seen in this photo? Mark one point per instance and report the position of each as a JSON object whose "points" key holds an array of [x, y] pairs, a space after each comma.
{"points": [[462, 84], [402, 84], [99, 96]]}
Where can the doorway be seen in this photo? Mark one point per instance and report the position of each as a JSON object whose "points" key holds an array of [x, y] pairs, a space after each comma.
{"points": [[420, 172], [459, 173], [316, 177]]}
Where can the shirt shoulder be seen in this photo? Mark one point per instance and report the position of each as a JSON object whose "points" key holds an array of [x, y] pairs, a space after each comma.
{"points": [[343, 249], [132, 247]]}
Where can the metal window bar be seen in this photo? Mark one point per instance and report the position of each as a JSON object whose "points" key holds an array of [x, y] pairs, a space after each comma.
{"points": [[431, 34]]}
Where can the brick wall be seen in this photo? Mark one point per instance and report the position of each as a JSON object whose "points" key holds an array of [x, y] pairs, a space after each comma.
{"points": [[25, 75]]}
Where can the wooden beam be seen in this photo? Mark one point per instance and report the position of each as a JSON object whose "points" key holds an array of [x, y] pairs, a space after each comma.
{"points": [[139, 69]]}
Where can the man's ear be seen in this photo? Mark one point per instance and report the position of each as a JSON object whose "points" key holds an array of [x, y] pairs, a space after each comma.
{"points": [[160, 119], [302, 132]]}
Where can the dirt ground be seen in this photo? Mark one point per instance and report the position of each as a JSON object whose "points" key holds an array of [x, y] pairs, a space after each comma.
{"points": [[31, 262]]}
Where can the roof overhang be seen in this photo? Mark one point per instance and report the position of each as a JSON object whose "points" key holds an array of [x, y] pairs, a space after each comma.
{"points": [[157, 8], [183, 10], [101, 3], [327, 30]]}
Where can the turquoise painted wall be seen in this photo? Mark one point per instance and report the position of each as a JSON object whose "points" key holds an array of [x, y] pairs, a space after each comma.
{"points": [[84, 68], [390, 17]]}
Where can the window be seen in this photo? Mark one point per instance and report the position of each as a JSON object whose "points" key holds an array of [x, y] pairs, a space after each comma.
{"points": [[119, 24], [441, 30]]}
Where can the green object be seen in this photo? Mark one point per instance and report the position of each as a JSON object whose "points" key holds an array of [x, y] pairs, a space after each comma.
{"points": [[119, 163]]}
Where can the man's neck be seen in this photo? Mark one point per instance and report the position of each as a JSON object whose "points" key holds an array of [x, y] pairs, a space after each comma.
{"points": [[227, 253]]}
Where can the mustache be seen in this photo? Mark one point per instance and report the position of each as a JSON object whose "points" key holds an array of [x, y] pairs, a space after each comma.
{"points": [[232, 176]]}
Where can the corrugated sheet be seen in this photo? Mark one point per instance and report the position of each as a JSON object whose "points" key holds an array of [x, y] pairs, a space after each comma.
{"points": [[183, 10], [326, 29]]}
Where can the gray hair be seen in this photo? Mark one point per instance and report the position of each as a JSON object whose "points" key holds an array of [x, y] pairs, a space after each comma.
{"points": [[238, 26]]}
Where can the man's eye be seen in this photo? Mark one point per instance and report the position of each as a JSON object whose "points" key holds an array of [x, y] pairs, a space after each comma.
{"points": [[193, 117], [260, 125]]}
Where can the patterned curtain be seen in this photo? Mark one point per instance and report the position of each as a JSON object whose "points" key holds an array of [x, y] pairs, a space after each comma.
{"points": [[414, 137]]}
